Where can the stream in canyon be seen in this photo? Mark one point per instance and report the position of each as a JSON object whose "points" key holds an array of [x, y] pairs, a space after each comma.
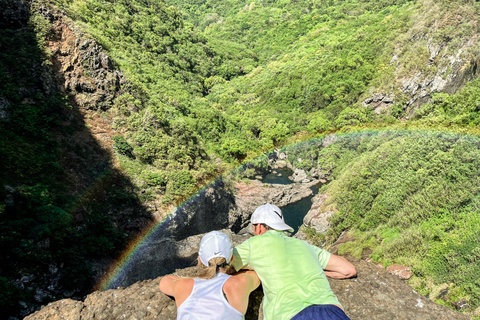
{"points": [[295, 212], [174, 244]]}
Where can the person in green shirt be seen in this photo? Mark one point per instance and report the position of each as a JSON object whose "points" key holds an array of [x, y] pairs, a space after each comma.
{"points": [[293, 273]]}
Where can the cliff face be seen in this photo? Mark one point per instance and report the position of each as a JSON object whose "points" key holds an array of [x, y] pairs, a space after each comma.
{"points": [[428, 59], [83, 71], [374, 294], [175, 243]]}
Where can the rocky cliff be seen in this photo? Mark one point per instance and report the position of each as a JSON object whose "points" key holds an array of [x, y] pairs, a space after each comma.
{"points": [[78, 67], [173, 245], [83, 70], [438, 62], [373, 294]]}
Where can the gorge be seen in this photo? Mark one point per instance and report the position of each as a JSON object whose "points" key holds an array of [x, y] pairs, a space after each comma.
{"points": [[130, 128], [134, 294]]}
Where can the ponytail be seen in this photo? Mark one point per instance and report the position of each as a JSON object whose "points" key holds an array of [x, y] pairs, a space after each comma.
{"points": [[214, 265]]}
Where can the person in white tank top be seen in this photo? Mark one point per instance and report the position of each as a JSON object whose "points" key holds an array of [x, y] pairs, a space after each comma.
{"points": [[213, 295]]}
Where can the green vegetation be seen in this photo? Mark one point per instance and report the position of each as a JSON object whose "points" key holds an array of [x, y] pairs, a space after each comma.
{"points": [[214, 83], [232, 89], [38, 204], [317, 239], [410, 197], [227, 79]]}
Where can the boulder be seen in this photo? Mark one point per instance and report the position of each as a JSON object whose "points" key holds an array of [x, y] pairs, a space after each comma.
{"points": [[299, 176], [317, 217], [249, 195]]}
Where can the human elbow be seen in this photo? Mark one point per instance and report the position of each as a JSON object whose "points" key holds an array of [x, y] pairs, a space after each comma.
{"points": [[350, 271]]}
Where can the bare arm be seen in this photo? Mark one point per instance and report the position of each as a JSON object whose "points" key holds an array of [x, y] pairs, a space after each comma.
{"points": [[167, 285], [339, 268], [238, 288], [177, 287], [251, 279]]}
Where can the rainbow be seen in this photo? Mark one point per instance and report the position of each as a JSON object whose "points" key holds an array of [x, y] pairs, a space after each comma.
{"points": [[124, 263]]}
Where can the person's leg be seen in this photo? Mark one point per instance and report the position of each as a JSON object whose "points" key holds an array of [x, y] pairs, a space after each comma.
{"points": [[321, 312]]}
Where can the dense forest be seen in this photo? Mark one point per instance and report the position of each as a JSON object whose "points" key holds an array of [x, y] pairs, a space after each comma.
{"points": [[211, 85]]}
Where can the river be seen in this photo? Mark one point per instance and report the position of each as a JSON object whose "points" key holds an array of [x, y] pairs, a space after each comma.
{"points": [[295, 212]]}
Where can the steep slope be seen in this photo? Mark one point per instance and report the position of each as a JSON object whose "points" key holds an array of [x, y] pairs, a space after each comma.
{"points": [[405, 198], [112, 113], [66, 209]]}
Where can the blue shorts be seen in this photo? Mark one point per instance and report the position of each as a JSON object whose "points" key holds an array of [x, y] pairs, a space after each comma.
{"points": [[321, 312]]}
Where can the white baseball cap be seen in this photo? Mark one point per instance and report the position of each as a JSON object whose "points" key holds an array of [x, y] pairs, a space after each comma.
{"points": [[272, 216], [215, 244]]}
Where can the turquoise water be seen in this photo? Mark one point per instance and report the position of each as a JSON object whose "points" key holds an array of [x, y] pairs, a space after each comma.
{"points": [[294, 212], [280, 177]]}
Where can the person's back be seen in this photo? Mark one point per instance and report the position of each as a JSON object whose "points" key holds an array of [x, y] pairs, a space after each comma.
{"points": [[208, 301], [215, 295], [293, 272]]}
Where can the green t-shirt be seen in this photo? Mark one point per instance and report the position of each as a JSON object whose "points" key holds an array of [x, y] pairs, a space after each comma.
{"points": [[291, 272]]}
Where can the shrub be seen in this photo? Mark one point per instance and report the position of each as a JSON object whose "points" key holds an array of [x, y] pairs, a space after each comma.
{"points": [[350, 117], [122, 147], [155, 179], [318, 124], [180, 183]]}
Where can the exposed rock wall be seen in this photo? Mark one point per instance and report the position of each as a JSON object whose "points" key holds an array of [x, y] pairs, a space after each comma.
{"points": [[83, 70], [455, 72], [446, 57], [208, 210], [248, 196], [318, 217], [173, 245], [448, 79]]}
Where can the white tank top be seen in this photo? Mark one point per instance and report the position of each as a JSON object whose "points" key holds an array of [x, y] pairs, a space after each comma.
{"points": [[207, 302]]}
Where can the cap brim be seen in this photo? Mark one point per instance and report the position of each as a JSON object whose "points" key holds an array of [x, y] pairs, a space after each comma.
{"points": [[281, 226]]}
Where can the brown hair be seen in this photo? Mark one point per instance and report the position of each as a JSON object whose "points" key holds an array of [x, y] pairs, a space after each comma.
{"points": [[265, 226], [214, 265]]}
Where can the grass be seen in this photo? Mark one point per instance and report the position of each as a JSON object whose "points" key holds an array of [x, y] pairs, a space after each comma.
{"points": [[412, 198]]}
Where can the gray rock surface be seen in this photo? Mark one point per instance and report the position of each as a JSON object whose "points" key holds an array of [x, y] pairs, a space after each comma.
{"points": [[379, 102], [209, 210], [159, 257], [450, 65], [317, 217], [299, 176], [374, 294], [248, 196]]}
